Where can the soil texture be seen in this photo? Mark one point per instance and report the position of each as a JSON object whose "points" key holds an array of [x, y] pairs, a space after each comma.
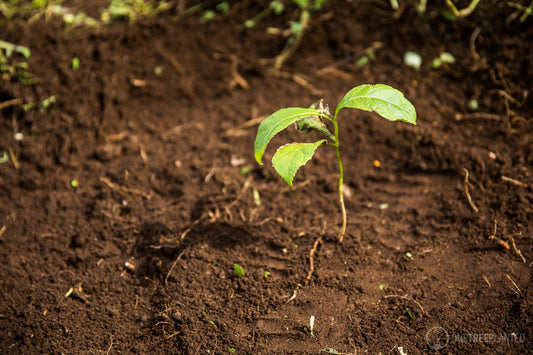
{"points": [[137, 254]]}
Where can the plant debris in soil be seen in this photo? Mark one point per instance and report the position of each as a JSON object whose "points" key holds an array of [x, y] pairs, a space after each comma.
{"points": [[127, 202]]}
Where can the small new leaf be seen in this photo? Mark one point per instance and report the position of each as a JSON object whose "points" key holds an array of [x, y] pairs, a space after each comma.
{"points": [[310, 123], [382, 99], [314, 122], [290, 157], [239, 271], [276, 123]]}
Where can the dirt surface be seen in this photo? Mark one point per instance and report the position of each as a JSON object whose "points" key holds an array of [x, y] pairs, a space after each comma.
{"points": [[139, 257]]}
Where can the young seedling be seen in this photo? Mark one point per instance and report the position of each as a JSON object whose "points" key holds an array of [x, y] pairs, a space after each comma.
{"points": [[382, 99], [239, 271]]}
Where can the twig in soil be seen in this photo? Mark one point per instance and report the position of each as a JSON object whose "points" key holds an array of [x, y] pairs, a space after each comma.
{"points": [[294, 187], [78, 292], [478, 115], [116, 137], [236, 131], [516, 288], [61, 272], [468, 193], [14, 159], [174, 264], [506, 95], [501, 242], [526, 11], [298, 79], [334, 72], [473, 38], [294, 293], [110, 346], [186, 84], [311, 258], [517, 251], [513, 181], [408, 299], [486, 280], [237, 78], [210, 174], [10, 103], [124, 190], [142, 153], [2, 231], [173, 334], [239, 131], [193, 224]]}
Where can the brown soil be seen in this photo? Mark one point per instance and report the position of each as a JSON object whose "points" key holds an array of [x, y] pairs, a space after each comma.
{"points": [[159, 161]]}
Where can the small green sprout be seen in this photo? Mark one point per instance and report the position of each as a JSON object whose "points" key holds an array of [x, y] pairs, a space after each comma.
{"points": [[28, 106], [266, 275], [362, 61], [245, 170], [277, 7], [223, 7], [444, 57], [472, 105], [382, 99], [158, 71], [74, 183], [45, 105], [239, 271], [410, 314], [5, 158], [231, 350], [75, 63], [208, 16]]}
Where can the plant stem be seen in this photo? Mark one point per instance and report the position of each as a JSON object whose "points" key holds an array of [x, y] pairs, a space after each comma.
{"points": [[341, 198], [527, 12], [341, 179], [464, 12]]}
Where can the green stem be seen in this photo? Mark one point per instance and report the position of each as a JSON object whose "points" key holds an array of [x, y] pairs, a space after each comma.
{"points": [[527, 12], [341, 179], [464, 12]]}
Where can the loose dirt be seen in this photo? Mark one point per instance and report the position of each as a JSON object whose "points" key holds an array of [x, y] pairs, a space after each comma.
{"points": [[139, 257]]}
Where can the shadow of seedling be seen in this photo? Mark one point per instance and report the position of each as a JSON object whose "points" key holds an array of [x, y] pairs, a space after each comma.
{"points": [[158, 248]]}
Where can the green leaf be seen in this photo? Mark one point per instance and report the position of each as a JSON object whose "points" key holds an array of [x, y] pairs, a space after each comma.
{"points": [[382, 99], [239, 271], [276, 123], [290, 157], [310, 123]]}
